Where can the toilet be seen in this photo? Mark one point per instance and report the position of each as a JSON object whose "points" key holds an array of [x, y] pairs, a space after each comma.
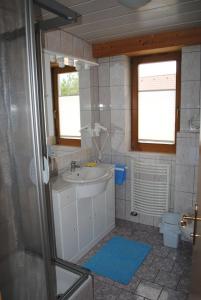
{"points": [[170, 228]]}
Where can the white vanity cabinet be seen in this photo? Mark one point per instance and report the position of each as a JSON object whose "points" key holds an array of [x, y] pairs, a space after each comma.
{"points": [[65, 221], [99, 214], [81, 222], [85, 222], [110, 203]]}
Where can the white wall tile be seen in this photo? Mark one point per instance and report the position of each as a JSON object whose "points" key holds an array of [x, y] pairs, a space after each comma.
{"points": [[173, 167], [107, 158], [120, 209], [190, 94], [53, 40], [183, 202], [105, 119], [84, 79], [66, 43], [118, 121], [86, 142], [87, 50], [120, 97], [184, 179], [128, 189], [119, 58], [85, 99], [196, 180], [172, 198], [156, 221], [104, 74], [85, 117], [186, 115], [120, 191], [187, 151], [107, 147], [103, 60], [104, 97], [118, 159], [147, 220], [95, 116], [195, 200], [118, 143], [78, 47], [94, 76], [190, 66], [129, 217], [128, 171], [95, 98], [194, 48], [119, 73]]}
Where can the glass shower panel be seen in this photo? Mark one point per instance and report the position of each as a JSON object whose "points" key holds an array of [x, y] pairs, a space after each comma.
{"points": [[22, 263]]}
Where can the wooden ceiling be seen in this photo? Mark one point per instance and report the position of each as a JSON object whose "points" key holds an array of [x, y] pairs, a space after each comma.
{"points": [[106, 20]]}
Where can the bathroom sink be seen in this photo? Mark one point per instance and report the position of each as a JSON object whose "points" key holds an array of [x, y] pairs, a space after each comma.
{"points": [[87, 175], [89, 181]]}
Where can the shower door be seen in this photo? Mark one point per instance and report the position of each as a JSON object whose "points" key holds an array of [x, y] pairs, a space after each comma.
{"points": [[25, 270]]}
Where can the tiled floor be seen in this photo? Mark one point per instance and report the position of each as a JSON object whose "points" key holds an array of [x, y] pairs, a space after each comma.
{"points": [[164, 275]]}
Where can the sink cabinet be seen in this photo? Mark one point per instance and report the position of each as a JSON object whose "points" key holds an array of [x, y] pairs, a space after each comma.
{"points": [[81, 222], [99, 214], [85, 222], [65, 221]]}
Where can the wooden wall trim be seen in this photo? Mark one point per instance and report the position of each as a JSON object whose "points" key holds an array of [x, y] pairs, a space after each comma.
{"points": [[160, 42]]}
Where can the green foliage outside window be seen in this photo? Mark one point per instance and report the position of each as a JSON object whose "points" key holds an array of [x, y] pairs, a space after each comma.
{"points": [[69, 86]]}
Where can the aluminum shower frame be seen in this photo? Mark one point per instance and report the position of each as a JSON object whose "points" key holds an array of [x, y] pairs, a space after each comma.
{"points": [[66, 15]]}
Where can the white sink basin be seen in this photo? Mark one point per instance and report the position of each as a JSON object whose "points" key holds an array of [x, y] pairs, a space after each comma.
{"points": [[89, 181], [87, 175]]}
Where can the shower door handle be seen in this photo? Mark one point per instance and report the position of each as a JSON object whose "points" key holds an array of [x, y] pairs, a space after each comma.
{"points": [[194, 218]]}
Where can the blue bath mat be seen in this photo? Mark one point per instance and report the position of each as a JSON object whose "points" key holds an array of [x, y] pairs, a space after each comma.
{"points": [[118, 259]]}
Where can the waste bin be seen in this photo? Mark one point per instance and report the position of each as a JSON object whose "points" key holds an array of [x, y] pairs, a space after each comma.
{"points": [[170, 229]]}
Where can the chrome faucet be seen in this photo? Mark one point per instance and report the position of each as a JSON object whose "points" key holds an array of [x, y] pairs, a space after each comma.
{"points": [[74, 165]]}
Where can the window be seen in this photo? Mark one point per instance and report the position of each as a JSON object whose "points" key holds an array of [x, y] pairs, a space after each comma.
{"points": [[66, 103], [155, 102]]}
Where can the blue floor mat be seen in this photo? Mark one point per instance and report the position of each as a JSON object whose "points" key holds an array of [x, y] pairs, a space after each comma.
{"points": [[118, 259]]}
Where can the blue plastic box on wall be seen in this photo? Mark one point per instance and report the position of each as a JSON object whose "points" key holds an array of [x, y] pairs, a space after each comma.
{"points": [[120, 173]]}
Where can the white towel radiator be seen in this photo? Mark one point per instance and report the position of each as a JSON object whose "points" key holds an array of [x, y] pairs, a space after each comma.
{"points": [[150, 188]]}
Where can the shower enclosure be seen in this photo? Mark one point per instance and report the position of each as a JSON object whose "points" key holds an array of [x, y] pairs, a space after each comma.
{"points": [[28, 268]]}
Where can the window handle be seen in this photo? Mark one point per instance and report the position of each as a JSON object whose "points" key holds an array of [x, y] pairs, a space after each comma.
{"points": [[55, 114]]}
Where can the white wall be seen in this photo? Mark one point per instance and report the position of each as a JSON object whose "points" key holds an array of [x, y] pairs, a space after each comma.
{"points": [[65, 43], [114, 99], [187, 141], [69, 45], [115, 111], [105, 97]]}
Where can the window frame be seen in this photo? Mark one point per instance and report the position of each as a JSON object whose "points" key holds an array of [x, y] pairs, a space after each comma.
{"points": [[135, 61], [55, 71]]}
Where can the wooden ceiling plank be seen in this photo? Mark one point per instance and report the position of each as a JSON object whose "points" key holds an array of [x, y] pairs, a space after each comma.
{"points": [[165, 24], [122, 11], [137, 18], [130, 46]]}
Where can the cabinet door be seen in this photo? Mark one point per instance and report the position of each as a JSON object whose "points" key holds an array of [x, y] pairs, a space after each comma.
{"points": [[110, 201], [69, 234], [85, 226], [99, 208]]}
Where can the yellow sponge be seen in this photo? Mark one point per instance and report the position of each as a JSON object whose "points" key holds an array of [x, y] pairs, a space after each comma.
{"points": [[90, 164]]}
